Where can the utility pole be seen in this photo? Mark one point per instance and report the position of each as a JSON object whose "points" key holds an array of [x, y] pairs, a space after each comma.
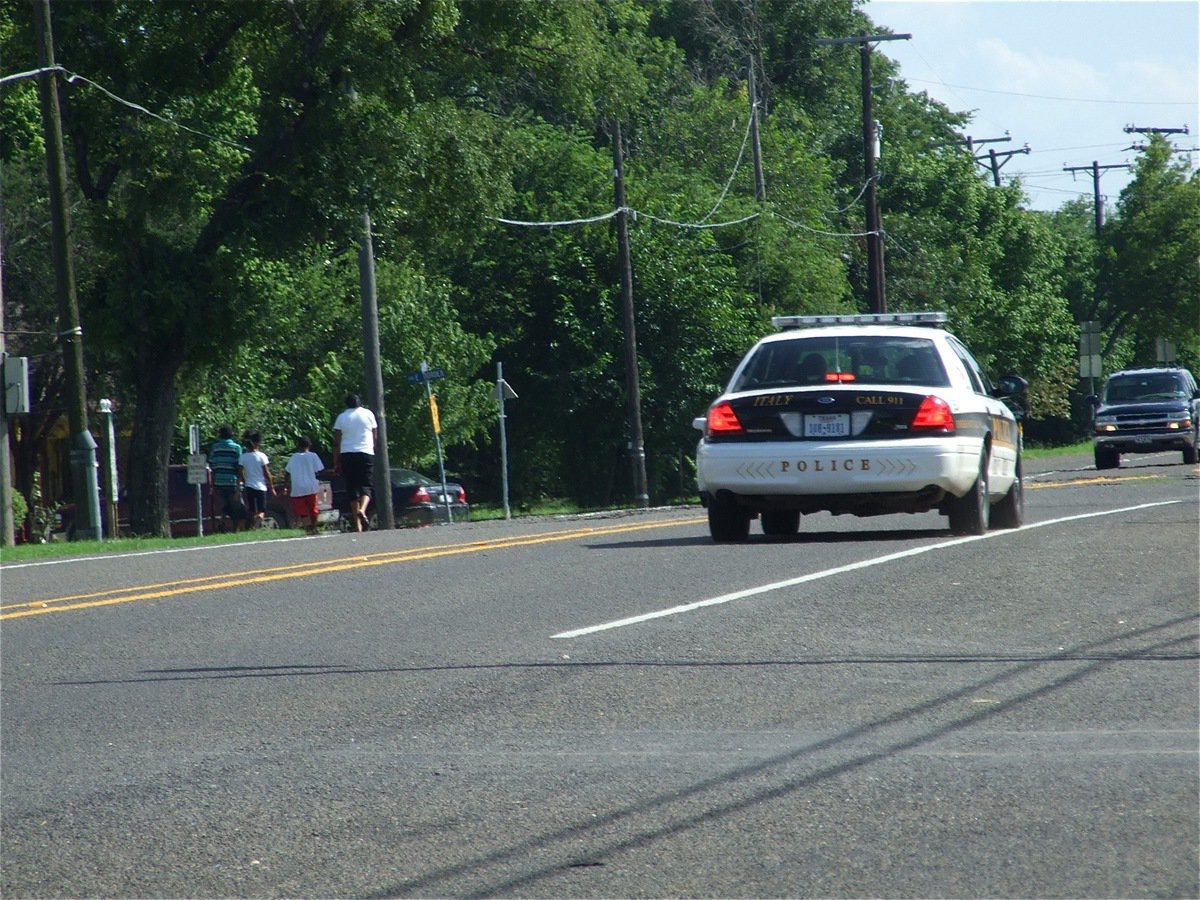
{"points": [[1147, 130], [84, 482], [8, 536], [1096, 169], [972, 141], [991, 156], [994, 158], [637, 448], [370, 316], [875, 277], [760, 186]]}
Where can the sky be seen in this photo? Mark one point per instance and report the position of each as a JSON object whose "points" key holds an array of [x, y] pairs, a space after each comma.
{"points": [[1065, 77]]}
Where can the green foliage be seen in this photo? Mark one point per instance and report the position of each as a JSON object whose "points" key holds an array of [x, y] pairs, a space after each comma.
{"points": [[1152, 282], [20, 509]]}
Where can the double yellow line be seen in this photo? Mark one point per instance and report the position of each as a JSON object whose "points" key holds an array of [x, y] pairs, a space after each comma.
{"points": [[304, 570]]}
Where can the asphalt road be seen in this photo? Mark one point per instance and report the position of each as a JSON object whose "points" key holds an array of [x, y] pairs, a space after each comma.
{"points": [[614, 706]]}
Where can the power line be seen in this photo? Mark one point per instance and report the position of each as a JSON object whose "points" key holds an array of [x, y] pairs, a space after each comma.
{"points": [[73, 77]]}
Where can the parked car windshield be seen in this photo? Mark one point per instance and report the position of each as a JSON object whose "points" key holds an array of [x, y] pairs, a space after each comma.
{"points": [[1156, 386], [867, 359]]}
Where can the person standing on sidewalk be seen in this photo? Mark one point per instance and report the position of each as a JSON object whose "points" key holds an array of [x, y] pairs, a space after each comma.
{"points": [[256, 476], [303, 484], [355, 432], [224, 457]]}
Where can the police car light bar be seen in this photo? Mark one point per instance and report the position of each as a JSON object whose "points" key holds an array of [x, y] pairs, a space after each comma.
{"points": [[783, 323]]}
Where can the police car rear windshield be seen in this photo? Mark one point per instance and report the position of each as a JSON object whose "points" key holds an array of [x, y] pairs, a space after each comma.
{"points": [[854, 360]]}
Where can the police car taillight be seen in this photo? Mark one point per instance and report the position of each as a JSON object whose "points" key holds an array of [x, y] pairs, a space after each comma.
{"points": [[933, 415], [723, 420]]}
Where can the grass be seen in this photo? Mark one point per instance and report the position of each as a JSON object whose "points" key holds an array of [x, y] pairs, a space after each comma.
{"points": [[1083, 448], [66, 549]]}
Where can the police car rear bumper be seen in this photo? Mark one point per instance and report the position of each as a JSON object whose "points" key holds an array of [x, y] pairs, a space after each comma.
{"points": [[836, 468]]}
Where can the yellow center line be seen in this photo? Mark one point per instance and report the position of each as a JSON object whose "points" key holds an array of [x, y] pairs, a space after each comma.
{"points": [[1102, 479], [304, 570]]}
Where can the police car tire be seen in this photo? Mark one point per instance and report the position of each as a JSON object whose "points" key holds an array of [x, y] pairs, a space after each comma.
{"points": [[727, 522], [969, 514], [780, 522], [1010, 512]]}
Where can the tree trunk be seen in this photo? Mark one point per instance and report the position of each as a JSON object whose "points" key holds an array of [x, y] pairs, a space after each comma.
{"points": [[150, 446]]}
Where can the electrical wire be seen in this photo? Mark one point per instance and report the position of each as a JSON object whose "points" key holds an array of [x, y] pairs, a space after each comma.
{"points": [[73, 77]]}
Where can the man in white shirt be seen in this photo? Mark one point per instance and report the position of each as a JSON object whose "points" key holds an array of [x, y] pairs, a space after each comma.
{"points": [[354, 435]]}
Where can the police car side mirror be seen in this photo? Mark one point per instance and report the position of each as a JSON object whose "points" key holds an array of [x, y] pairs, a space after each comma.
{"points": [[700, 423], [1010, 386]]}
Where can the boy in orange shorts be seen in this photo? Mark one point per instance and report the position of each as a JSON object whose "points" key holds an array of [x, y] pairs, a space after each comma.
{"points": [[303, 485]]}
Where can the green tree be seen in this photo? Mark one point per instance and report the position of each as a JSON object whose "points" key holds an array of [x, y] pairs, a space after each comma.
{"points": [[1151, 287]]}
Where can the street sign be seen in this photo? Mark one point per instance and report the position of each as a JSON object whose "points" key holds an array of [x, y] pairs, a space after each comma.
{"points": [[1090, 366], [197, 468], [425, 375]]}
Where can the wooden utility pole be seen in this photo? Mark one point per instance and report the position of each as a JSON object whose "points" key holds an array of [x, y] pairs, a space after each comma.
{"points": [[1096, 169], [370, 315], [85, 484], [7, 533], [760, 185], [996, 164], [637, 448], [877, 296]]}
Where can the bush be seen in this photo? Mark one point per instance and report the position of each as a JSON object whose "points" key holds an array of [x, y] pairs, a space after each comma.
{"points": [[20, 510]]}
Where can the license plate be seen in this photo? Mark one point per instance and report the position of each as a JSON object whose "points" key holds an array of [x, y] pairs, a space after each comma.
{"points": [[827, 425], [1141, 438]]}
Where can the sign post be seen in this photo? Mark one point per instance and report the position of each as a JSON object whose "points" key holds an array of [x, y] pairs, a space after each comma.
{"points": [[424, 376], [109, 442], [197, 473], [504, 392], [1090, 361]]}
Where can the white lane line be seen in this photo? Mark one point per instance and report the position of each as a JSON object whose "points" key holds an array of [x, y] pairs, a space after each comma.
{"points": [[839, 570], [104, 557]]}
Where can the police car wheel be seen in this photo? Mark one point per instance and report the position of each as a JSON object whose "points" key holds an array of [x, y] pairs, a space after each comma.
{"points": [[780, 522], [1010, 512], [727, 522], [969, 514]]}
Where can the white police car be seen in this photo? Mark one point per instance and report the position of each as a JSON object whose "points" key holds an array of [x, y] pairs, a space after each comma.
{"points": [[866, 415]]}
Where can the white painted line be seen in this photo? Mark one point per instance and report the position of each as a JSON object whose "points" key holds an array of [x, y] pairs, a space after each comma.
{"points": [[839, 570], [103, 557]]}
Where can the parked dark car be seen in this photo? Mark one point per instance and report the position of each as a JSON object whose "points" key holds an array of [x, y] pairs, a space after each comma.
{"points": [[416, 500], [181, 508]]}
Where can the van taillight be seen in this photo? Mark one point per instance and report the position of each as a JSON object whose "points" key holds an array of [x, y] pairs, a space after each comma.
{"points": [[723, 420], [933, 415]]}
